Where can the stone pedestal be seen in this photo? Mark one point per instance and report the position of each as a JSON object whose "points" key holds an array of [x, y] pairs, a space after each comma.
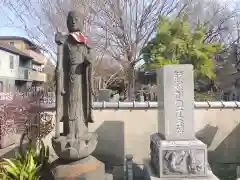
{"points": [[87, 169], [171, 159], [149, 174], [73, 149]]}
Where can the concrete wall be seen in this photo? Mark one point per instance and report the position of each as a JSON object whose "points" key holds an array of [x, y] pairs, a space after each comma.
{"points": [[122, 131]]}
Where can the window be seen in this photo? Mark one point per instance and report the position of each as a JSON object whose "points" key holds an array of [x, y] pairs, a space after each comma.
{"points": [[11, 65], [1, 86], [11, 43]]}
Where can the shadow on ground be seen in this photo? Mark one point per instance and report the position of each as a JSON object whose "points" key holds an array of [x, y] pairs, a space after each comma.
{"points": [[111, 140], [226, 157]]}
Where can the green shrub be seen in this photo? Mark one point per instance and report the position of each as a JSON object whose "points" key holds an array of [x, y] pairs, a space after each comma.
{"points": [[25, 165]]}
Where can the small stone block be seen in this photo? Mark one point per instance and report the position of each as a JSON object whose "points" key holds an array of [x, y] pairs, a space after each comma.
{"points": [[174, 159], [109, 177], [238, 171]]}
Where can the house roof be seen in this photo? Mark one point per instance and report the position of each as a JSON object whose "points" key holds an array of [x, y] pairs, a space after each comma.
{"points": [[16, 38], [20, 38], [13, 50]]}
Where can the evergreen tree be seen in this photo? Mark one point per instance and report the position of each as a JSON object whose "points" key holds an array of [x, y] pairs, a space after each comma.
{"points": [[177, 43]]}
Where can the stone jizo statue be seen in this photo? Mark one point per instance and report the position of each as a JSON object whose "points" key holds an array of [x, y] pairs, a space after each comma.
{"points": [[73, 92]]}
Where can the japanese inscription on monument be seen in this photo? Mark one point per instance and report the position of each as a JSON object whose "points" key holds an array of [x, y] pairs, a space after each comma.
{"points": [[178, 83], [176, 102]]}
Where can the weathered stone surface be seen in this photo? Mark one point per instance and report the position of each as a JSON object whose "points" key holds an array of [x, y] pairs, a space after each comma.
{"points": [[86, 169], [149, 174], [73, 93], [175, 152], [176, 102], [238, 172], [74, 107], [75, 149], [178, 158], [104, 95]]}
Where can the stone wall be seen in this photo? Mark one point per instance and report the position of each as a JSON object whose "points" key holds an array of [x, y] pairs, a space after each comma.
{"points": [[125, 128]]}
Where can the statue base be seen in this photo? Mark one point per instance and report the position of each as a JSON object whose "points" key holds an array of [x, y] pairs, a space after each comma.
{"points": [[74, 149], [149, 174], [86, 169], [176, 159]]}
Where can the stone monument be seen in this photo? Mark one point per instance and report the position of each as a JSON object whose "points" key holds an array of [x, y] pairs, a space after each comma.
{"points": [[104, 95], [175, 152], [73, 106]]}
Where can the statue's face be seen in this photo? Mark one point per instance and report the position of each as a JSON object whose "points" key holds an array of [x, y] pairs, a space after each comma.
{"points": [[74, 23]]}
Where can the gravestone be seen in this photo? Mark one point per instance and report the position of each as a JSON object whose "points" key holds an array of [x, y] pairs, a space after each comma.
{"points": [[176, 102], [175, 152], [104, 95]]}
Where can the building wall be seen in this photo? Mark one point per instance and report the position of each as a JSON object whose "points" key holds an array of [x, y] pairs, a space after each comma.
{"points": [[8, 75], [7, 85], [5, 70], [23, 46]]}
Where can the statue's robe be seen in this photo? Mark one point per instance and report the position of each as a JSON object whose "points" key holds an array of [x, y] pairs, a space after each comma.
{"points": [[77, 87]]}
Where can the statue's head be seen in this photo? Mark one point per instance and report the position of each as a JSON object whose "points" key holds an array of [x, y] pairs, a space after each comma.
{"points": [[74, 23]]}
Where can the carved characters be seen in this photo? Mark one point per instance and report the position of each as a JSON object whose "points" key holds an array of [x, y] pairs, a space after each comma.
{"points": [[178, 86]]}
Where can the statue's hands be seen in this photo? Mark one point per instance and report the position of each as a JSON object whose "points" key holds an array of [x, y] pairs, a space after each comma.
{"points": [[59, 38], [63, 92]]}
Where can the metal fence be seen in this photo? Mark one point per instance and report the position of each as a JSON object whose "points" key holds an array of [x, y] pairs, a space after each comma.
{"points": [[24, 112], [148, 95]]}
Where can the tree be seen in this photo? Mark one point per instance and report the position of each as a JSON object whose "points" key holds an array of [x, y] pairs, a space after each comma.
{"points": [[118, 29], [128, 25], [221, 20], [177, 43]]}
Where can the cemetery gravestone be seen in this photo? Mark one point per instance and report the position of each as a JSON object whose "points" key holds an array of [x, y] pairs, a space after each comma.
{"points": [[104, 95], [175, 152], [176, 102]]}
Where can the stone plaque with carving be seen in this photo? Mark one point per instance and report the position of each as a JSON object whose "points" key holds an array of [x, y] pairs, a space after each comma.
{"points": [[178, 158]]}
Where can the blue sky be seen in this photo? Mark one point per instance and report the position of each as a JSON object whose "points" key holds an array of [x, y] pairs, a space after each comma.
{"points": [[7, 26], [8, 31]]}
